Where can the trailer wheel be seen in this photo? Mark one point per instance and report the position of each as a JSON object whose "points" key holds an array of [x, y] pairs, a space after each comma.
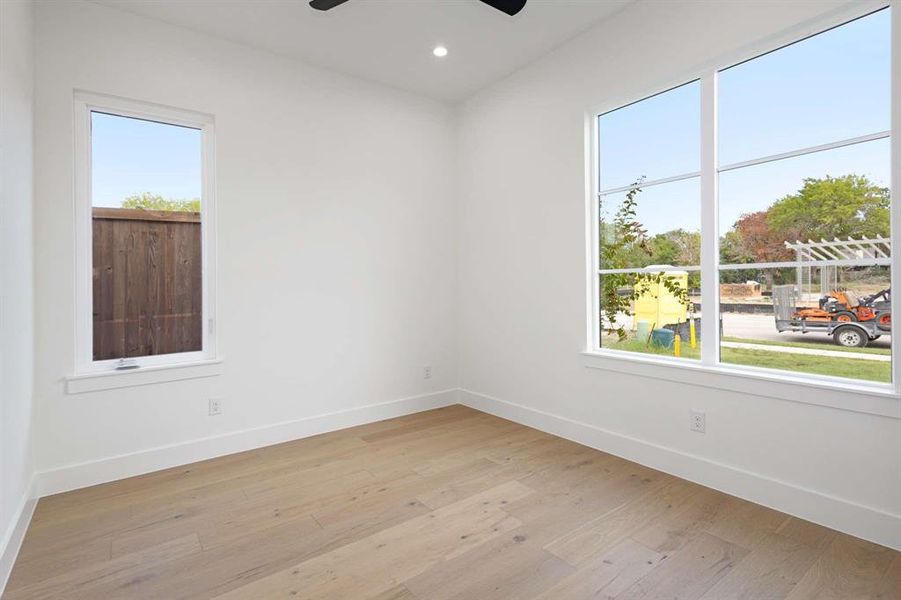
{"points": [[845, 316], [850, 336]]}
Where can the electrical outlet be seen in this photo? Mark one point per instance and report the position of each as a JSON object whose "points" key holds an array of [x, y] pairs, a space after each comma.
{"points": [[427, 372], [215, 406], [698, 421]]}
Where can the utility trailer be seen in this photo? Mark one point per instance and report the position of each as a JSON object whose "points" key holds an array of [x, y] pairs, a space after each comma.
{"points": [[852, 334]]}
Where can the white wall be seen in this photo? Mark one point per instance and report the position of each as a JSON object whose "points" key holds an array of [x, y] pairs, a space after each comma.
{"points": [[336, 237], [523, 284], [16, 331]]}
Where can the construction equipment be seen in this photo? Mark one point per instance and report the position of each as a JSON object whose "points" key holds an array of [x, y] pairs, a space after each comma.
{"points": [[845, 306], [871, 320]]}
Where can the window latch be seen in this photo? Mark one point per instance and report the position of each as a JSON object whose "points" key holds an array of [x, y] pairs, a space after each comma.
{"points": [[126, 364]]}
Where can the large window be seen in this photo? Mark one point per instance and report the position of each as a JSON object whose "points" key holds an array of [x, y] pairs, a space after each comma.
{"points": [[144, 206], [778, 171]]}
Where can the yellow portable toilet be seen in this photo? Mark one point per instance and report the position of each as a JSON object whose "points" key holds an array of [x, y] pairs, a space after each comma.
{"points": [[656, 304]]}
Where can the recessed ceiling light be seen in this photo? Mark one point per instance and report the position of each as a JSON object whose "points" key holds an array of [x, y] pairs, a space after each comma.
{"points": [[440, 51]]}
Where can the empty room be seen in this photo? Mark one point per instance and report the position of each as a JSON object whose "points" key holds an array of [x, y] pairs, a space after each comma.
{"points": [[449, 299]]}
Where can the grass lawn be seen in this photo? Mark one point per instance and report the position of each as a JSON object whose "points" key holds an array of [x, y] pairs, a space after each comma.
{"points": [[812, 345], [869, 370]]}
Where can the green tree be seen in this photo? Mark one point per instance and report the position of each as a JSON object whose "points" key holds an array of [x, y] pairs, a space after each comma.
{"points": [[832, 207], [733, 248], [625, 244], [149, 201], [823, 208], [676, 247]]}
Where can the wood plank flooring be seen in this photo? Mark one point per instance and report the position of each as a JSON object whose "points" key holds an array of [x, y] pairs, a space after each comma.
{"points": [[449, 503]]}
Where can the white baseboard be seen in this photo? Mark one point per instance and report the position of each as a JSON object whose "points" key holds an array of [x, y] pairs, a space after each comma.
{"points": [[837, 513], [13, 537], [81, 475]]}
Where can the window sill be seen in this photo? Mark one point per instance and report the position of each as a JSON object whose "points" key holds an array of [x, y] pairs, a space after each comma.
{"points": [[876, 399], [110, 380]]}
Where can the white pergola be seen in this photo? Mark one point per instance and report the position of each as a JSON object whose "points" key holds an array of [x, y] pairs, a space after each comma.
{"points": [[829, 255]]}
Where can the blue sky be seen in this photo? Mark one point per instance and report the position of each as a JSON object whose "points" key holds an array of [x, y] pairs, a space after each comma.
{"points": [[130, 156], [832, 86]]}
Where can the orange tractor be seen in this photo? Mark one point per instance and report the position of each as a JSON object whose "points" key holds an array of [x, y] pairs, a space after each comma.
{"points": [[844, 306]]}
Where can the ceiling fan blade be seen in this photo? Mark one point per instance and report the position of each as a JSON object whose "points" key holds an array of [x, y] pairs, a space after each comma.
{"points": [[325, 4], [511, 7]]}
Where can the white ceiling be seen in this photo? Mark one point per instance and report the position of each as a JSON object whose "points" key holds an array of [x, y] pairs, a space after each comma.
{"points": [[391, 41]]}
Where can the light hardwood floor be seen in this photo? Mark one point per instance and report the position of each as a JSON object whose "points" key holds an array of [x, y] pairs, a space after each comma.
{"points": [[449, 503]]}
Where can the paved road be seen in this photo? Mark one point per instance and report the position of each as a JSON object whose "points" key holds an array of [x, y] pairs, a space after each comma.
{"points": [[763, 327]]}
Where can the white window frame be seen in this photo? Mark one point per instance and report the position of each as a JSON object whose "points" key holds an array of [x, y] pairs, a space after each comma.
{"points": [[85, 365], [874, 398]]}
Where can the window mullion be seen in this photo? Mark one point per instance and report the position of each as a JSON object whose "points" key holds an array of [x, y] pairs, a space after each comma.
{"points": [[593, 233], [709, 223], [895, 175]]}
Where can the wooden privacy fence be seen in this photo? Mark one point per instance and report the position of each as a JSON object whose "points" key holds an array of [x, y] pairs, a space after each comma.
{"points": [[147, 282]]}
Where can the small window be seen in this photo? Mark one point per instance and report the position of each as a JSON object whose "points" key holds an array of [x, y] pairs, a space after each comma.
{"points": [[145, 210]]}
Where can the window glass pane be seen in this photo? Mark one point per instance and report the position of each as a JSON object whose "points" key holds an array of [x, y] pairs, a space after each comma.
{"points": [[832, 86], [655, 138], [657, 225], [836, 193], [823, 320], [652, 313], [146, 181]]}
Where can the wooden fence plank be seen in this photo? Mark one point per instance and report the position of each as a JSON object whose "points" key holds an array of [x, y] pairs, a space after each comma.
{"points": [[147, 283]]}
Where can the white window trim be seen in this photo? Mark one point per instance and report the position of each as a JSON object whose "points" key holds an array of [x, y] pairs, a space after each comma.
{"points": [[86, 368], [110, 380], [834, 392]]}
